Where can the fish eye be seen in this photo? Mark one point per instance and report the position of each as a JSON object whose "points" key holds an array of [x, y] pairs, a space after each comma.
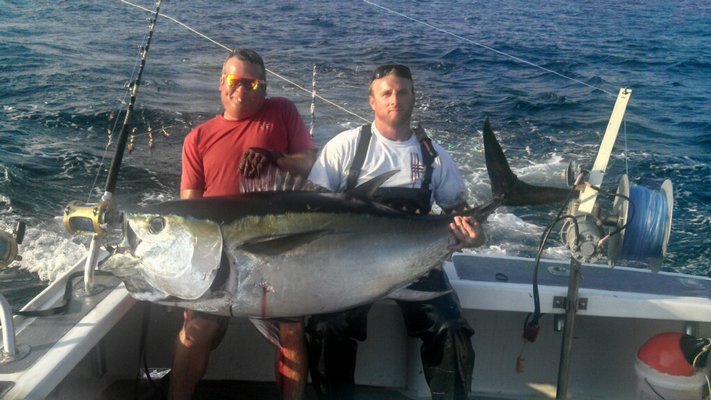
{"points": [[156, 225]]}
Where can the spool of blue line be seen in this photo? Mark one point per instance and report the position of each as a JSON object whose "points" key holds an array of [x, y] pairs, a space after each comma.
{"points": [[648, 228]]}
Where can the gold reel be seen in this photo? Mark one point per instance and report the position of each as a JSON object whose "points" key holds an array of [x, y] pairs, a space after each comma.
{"points": [[85, 218]]}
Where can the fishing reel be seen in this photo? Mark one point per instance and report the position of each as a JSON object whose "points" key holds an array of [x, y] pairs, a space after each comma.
{"points": [[86, 218], [639, 226], [581, 232], [637, 229], [9, 243]]}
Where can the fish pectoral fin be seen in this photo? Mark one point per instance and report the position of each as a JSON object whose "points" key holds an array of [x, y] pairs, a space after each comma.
{"points": [[278, 244], [407, 294], [269, 328]]}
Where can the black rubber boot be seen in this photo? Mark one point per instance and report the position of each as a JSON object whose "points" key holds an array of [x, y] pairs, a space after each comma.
{"points": [[447, 352], [448, 362], [332, 341]]}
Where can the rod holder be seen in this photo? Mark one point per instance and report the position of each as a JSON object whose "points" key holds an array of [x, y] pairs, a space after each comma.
{"points": [[10, 352]]}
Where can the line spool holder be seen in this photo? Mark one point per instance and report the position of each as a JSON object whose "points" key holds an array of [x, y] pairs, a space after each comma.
{"points": [[638, 228]]}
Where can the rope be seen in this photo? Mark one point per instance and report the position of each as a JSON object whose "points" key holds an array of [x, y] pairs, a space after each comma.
{"points": [[306, 90], [644, 235], [267, 69], [518, 59]]}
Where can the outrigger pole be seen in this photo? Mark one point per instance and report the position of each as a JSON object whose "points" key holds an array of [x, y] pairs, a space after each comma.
{"points": [[90, 218]]}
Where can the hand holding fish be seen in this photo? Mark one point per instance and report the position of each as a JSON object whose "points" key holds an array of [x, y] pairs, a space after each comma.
{"points": [[467, 233], [255, 160]]}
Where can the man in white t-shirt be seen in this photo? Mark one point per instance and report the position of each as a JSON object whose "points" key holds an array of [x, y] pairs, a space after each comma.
{"points": [[426, 175]]}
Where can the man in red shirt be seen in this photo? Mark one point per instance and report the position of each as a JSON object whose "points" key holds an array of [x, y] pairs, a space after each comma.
{"points": [[252, 133]]}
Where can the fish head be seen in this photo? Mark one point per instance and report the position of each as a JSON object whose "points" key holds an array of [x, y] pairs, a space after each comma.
{"points": [[167, 255]]}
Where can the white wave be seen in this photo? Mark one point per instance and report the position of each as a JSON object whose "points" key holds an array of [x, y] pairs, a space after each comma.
{"points": [[153, 198], [5, 205], [50, 250], [494, 250], [4, 174], [511, 225], [546, 172], [557, 253]]}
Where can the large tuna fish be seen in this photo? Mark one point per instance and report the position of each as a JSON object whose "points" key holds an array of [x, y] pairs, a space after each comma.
{"points": [[282, 254], [285, 253]]}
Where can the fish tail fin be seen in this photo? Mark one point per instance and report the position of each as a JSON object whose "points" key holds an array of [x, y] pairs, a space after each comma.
{"points": [[506, 186]]}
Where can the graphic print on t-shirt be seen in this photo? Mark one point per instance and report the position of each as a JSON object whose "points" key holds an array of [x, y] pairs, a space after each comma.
{"points": [[416, 169]]}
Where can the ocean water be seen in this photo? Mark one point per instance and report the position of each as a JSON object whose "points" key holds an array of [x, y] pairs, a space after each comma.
{"points": [[545, 74]]}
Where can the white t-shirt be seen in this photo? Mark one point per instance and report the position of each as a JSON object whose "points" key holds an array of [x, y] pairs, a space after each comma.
{"points": [[384, 155]]}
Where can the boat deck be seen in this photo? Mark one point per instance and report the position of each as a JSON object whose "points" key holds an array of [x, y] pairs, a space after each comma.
{"points": [[229, 389], [242, 390]]}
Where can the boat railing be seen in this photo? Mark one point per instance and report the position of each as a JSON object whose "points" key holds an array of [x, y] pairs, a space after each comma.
{"points": [[10, 351], [8, 254], [8, 328]]}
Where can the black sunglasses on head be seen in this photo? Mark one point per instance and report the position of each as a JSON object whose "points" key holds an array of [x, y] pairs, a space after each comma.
{"points": [[391, 69]]}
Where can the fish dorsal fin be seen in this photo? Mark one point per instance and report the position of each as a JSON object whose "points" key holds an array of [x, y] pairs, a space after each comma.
{"points": [[272, 179], [367, 189]]}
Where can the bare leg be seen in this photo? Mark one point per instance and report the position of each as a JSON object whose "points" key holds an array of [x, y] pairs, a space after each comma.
{"points": [[292, 361], [196, 339]]}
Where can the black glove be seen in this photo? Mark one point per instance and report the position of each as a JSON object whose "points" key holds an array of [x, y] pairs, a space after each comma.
{"points": [[255, 160]]}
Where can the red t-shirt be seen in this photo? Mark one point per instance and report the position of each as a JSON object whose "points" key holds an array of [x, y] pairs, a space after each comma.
{"points": [[213, 150]]}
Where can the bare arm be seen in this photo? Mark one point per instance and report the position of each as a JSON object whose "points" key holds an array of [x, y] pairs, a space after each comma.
{"points": [[298, 164], [190, 194]]}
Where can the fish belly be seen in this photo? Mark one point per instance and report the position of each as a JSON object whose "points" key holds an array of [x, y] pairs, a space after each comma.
{"points": [[352, 261]]}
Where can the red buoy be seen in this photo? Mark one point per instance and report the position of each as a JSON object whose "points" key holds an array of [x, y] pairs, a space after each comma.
{"points": [[663, 353]]}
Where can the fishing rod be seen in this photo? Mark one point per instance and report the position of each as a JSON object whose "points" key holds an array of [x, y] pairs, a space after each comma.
{"points": [[91, 218]]}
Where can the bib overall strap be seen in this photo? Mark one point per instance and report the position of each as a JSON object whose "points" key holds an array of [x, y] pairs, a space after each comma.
{"points": [[428, 155], [359, 159]]}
